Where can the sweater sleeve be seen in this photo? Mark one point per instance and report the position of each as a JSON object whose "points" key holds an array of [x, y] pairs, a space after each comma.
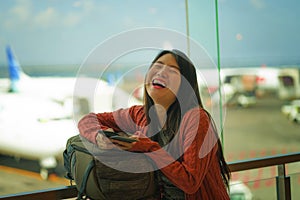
{"points": [[124, 120], [89, 126], [199, 151]]}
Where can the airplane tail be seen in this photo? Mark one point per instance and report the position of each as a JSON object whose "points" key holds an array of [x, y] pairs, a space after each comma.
{"points": [[14, 70]]}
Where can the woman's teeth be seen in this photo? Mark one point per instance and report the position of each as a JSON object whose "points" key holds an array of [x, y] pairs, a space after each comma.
{"points": [[158, 83]]}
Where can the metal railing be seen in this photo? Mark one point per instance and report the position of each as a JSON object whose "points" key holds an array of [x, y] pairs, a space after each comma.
{"points": [[47, 194], [283, 186], [282, 180]]}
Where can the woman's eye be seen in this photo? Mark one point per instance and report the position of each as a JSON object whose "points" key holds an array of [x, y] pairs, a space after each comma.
{"points": [[158, 65], [169, 69], [173, 70]]}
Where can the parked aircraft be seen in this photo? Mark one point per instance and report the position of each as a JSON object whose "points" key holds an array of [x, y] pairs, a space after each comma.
{"points": [[37, 114], [241, 86]]}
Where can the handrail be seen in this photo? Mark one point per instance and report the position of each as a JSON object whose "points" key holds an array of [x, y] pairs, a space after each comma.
{"points": [[71, 192], [264, 162], [283, 182], [47, 194]]}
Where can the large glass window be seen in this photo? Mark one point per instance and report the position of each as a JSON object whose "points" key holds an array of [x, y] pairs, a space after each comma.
{"points": [[246, 53], [259, 79]]}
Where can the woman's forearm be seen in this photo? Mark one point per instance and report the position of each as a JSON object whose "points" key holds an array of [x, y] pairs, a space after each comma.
{"points": [[89, 126]]}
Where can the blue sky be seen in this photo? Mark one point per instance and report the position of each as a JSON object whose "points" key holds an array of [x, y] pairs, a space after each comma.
{"points": [[64, 32], [266, 31]]}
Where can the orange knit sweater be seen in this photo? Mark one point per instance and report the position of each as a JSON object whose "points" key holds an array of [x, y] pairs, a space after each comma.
{"points": [[198, 174]]}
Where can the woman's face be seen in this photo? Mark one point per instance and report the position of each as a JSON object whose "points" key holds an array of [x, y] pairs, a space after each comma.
{"points": [[163, 80]]}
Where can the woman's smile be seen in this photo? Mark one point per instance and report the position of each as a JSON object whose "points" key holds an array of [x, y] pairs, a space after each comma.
{"points": [[158, 83]]}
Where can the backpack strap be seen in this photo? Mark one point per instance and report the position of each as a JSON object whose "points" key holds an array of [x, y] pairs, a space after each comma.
{"points": [[85, 178]]}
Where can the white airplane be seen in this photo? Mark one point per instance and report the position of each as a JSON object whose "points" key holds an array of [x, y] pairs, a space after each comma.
{"points": [[266, 77], [242, 85], [37, 114]]}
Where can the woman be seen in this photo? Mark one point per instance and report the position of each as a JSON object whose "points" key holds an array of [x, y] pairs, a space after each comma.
{"points": [[172, 128]]}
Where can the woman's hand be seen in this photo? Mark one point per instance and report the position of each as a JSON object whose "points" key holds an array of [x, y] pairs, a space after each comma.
{"points": [[124, 145], [104, 142], [144, 144]]}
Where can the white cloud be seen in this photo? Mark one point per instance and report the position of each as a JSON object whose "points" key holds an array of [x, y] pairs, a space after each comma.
{"points": [[71, 19], [25, 15], [77, 4], [21, 10], [17, 15], [47, 17], [85, 5], [258, 4]]}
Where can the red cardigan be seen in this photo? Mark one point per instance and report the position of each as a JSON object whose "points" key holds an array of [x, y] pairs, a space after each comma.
{"points": [[198, 175]]}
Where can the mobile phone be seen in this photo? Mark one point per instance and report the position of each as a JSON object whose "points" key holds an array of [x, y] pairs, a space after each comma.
{"points": [[124, 139], [108, 133]]}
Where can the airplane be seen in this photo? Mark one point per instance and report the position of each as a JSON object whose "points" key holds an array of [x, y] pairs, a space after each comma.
{"points": [[39, 114], [241, 86]]}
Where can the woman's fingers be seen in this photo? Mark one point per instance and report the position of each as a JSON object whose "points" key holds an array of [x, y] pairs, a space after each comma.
{"points": [[121, 144], [103, 142]]}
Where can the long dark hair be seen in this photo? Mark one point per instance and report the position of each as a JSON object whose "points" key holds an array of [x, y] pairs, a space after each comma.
{"points": [[177, 109]]}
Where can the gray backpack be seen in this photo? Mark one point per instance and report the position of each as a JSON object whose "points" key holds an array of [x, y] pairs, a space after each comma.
{"points": [[95, 179]]}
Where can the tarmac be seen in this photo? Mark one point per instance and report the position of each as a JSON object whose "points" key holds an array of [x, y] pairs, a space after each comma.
{"points": [[14, 179]]}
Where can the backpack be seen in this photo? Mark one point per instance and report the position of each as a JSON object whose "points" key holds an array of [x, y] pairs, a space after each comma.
{"points": [[96, 173]]}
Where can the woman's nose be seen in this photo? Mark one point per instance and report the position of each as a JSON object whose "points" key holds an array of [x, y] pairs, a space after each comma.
{"points": [[162, 71]]}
